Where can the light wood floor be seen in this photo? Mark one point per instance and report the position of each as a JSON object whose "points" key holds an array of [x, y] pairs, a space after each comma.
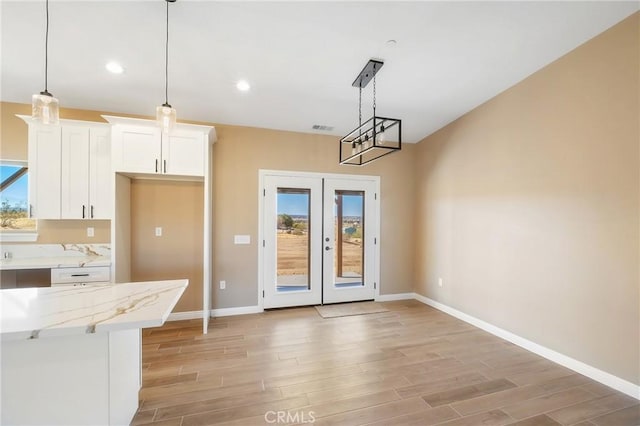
{"points": [[411, 365]]}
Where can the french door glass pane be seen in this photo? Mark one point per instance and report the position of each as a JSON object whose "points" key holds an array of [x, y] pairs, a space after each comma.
{"points": [[349, 231], [293, 239]]}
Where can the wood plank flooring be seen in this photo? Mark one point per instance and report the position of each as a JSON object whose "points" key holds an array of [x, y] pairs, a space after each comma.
{"points": [[413, 365]]}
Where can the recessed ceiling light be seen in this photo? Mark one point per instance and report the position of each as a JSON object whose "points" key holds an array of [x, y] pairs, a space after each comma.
{"points": [[114, 67], [243, 86]]}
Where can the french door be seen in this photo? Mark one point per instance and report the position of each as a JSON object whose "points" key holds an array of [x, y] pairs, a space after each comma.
{"points": [[319, 237]]}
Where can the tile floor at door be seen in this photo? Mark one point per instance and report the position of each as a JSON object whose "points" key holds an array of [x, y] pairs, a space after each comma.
{"points": [[411, 365]]}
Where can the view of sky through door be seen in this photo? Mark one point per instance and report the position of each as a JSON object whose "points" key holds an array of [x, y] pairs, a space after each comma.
{"points": [[293, 239], [348, 218]]}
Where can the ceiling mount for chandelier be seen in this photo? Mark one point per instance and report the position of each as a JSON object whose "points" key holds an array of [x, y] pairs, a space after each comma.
{"points": [[376, 137]]}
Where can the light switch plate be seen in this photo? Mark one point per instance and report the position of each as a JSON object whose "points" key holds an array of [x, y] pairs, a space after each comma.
{"points": [[242, 239], [90, 231], [158, 231]]}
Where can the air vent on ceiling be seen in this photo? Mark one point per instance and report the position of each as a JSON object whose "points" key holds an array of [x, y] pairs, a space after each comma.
{"points": [[322, 127]]}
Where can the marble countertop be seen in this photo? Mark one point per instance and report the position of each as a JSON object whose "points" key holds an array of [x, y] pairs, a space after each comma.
{"points": [[46, 256], [31, 313], [53, 262]]}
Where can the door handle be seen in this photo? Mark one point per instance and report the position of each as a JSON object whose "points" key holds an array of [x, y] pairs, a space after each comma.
{"points": [[327, 248]]}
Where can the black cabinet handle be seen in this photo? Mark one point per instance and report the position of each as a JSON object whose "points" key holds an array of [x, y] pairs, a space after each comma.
{"points": [[91, 211], [156, 165], [79, 275], [165, 166], [83, 210], [30, 211]]}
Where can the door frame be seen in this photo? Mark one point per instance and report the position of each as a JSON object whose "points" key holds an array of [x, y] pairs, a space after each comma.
{"points": [[292, 174]]}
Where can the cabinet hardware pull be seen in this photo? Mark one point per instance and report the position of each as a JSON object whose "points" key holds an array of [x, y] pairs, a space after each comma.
{"points": [[83, 209], [30, 211], [91, 211], [156, 165], [165, 166], [79, 275]]}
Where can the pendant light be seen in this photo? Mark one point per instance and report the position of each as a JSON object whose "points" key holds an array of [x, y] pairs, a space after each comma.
{"points": [[44, 107], [165, 113]]}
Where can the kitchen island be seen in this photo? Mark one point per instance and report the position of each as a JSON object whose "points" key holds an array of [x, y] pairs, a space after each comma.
{"points": [[72, 355]]}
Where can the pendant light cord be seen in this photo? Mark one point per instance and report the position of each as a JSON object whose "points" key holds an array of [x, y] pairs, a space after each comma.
{"points": [[166, 61], [46, 51]]}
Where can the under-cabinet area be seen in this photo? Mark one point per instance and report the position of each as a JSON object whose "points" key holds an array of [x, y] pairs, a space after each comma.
{"points": [[165, 234], [25, 278]]}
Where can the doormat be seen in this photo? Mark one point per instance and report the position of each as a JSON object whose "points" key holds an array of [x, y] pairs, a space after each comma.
{"points": [[348, 309]]}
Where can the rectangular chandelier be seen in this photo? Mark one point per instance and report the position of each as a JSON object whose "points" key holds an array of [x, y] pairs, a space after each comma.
{"points": [[376, 137]]}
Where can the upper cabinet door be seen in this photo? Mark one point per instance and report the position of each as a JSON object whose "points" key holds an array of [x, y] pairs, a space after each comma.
{"points": [[75, 173], [183, 153], [44, 171], [100, 175], [140, 147], [136, 149]]}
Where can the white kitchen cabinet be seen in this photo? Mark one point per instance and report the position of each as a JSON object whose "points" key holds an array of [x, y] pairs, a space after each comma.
{"points": [[86, 169], [183, 153], [69, 170], [139, 147], [136, 149], [44, 171], [183, 156]]}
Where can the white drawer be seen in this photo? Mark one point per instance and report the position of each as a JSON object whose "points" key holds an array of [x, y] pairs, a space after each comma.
{"points": [[87, 274]]}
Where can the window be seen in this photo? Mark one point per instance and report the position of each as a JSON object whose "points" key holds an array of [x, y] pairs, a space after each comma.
{"points": [[14, 198]]}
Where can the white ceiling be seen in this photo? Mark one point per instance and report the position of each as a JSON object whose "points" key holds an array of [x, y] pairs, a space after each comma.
{"points": [[300, 57]]}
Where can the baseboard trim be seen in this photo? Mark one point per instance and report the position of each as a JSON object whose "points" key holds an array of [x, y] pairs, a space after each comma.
{"points": [[594, 373], [179, 316], [395, 296], [242, 310]]}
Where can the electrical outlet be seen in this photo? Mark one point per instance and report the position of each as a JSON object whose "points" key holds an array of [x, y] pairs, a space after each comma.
{"points": [[90, 232], [158, 231], [439, 282], [223, 285]]}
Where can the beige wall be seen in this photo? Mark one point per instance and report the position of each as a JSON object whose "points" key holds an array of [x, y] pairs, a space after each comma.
{"points": [[238, 156], [529, 207], [176, 207]]}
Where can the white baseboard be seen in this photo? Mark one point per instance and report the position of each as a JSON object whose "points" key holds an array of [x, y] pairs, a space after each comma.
{"points": [[242, 310], [178, 316], [594, 373], [396, 296]]}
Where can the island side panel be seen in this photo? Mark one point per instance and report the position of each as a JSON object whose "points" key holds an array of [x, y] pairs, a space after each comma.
{"points": [[56, 381], [125, 375]]}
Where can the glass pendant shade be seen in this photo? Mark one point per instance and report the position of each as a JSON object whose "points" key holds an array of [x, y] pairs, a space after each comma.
{"points": [[166, 117], [45, 108]]}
